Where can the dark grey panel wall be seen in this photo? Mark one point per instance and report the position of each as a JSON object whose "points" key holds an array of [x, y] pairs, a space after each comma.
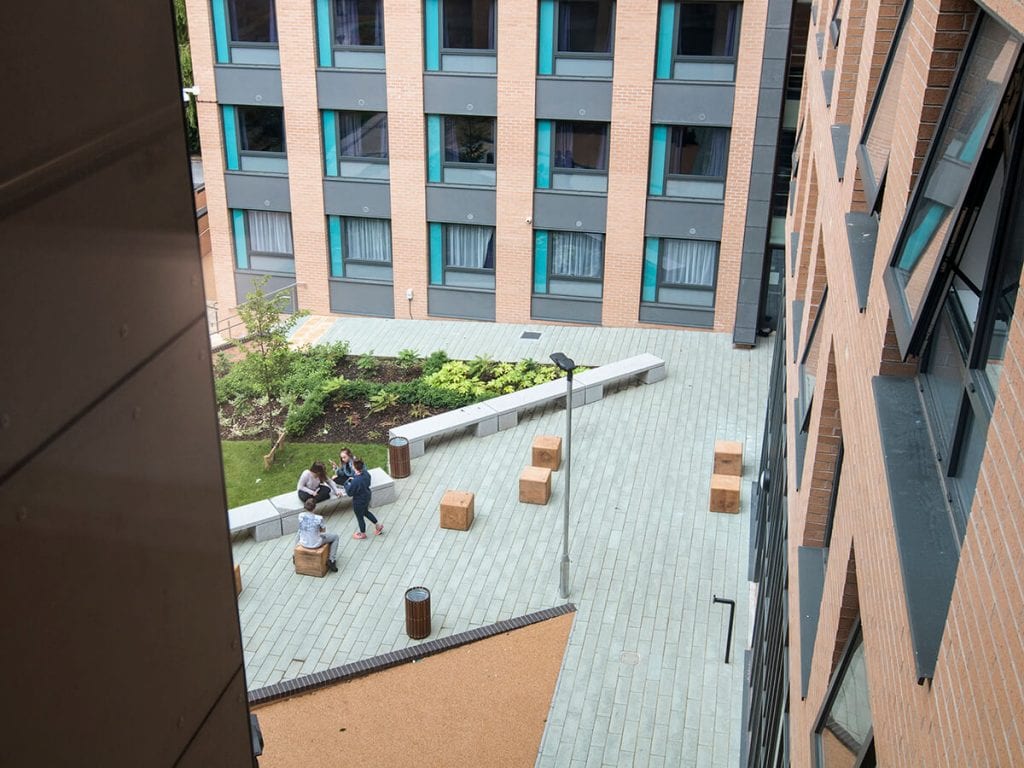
{"points": [[569, 211], [445, 94], [344, 89], [461, 303], [122, 627], [256, 191], [686, 220], [692, 318], [766, 135], [692, 103], [357, 198], [356, 297], [461, 205], [259, 86], [244, 286], [566, 310], [566, 99]]}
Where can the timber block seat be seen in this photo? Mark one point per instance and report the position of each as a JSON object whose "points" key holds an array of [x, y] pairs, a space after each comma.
{"points": [[457, 510], [725, 494], [728, 458], [535, 485], [311, 562], [546, 451]]}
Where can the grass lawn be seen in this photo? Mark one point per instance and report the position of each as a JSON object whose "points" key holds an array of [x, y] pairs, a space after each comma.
{"points": [[247, 481]]}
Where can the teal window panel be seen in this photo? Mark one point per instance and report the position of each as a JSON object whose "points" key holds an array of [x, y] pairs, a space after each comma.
{"points": [[659, 145], [230, 138], [334, 241], [540, 262], [432, 23], [330, 120], [241, 251], [666, 35], [436, 255], [650, 274], [434, 149], [220, 31], [324, 49], [544, 129], [546, 38]]}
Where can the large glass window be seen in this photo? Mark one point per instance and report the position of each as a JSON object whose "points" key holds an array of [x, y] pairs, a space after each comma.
{"points": [[254, 139], [580, 156], [569, 264], [696, 162], [686, 274], [360, 248], [467, 25], [706, 41], [878, 132], [576, 37], [268, 241], [469, 150], [843, 737], [363, 135], [359, 23], [252, 21], [468, 256]]}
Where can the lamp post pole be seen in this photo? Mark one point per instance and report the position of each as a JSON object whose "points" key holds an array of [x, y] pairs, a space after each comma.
{"points": [[566, 365]]}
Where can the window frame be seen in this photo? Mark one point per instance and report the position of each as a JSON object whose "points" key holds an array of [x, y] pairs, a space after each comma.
{"points": [[866, 754], [835, 25], [250, 251], [240, 133], [678, 58], [336, 46], [691, 177], [804, 398], [386, 160], [833, 496], [485, 271], [482, 52], [446, 163], [591, 172], [550, 275], [384, 267], [660, 283], [592, 55], [229, 19]]}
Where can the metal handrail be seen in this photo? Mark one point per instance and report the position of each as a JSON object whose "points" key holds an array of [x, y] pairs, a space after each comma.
{"points": [[233, 320]]}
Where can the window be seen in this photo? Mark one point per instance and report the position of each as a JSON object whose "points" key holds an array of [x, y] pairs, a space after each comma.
{"points": [[462, 256], [460, 150], [878, 131], [569, 264], [254, 139], [464, 32], [837, 473], [263, 241], [350, 34], [680, 272], [576, 37], [693, 164], [360, 248], [245, 32], [843, 736], [253, 21], [572, 155], [835, 26], [706, 41], [356, 144]]}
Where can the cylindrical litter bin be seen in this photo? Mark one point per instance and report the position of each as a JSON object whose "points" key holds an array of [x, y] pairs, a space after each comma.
{"points": [[398, 457], [417, 612]]}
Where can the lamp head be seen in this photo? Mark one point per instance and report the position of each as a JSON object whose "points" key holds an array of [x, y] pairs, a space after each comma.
{"points": [[563, 362]]}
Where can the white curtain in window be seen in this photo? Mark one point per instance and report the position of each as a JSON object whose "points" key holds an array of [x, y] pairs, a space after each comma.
{"points": [[576, 254], [689, 262], [270, 232], [368, 240], [711, 160], [469, 247]]}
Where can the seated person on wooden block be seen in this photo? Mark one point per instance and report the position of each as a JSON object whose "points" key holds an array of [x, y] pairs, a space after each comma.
{"points": [[345, 470], [315, 484], [358, 488], [312, 534]]}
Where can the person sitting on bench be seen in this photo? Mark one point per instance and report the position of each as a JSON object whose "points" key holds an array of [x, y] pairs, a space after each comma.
{"points": [[315, 484], [345, 470]]}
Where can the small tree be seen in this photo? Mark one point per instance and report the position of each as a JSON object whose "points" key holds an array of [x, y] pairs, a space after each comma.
{"points": [[265, 347]]}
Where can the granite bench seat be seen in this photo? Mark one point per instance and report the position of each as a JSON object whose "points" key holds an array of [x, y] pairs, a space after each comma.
{"points": [[262, 518], [645, 367]]}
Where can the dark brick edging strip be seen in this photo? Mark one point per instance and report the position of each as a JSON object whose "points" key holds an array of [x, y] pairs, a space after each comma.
{"points": [[308, 683]]}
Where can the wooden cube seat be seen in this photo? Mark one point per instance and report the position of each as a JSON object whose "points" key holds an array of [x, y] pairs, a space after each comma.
{"points": [[238, 580], [547, 452], [311, 562], [728, 458], [725, 493], [535, 485], [457, 510]]}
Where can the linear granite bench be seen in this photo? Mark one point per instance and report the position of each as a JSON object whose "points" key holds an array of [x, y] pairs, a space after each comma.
{"points": [[260, 517], [646, 367]]}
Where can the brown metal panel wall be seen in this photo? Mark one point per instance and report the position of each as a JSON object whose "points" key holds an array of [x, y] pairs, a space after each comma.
{"points": [[121, 641]]}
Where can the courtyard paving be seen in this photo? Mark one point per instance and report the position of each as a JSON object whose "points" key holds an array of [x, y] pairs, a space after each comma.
{"points": [[643, 680]]}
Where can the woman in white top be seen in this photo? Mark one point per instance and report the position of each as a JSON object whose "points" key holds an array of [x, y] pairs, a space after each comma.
{"points": [[316, 485]]}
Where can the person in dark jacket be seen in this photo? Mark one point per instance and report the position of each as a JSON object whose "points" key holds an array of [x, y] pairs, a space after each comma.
{"points": [[358, 488], [345, 470]]}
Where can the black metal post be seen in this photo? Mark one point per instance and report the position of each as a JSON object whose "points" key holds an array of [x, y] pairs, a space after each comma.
{"points": [[732, 615]]}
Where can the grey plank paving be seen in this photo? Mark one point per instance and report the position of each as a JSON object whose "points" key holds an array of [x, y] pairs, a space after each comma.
{"points": [[642, 680]]}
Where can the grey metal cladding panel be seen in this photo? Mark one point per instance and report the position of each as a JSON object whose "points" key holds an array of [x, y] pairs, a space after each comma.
{"points": [[445, 94], [357, 198], [675, 218], [120, 224], [801, 446], [769, 102], [862, 236], [827, 77], [794, 245], [345, 89], [779, 14], [461, 205], [811, 570], [566, 310], [460, 303], [692, 103], [924, 534], [776, 43], [561, 210], [840, 145], [766, 130], [258, 191], [760, 186], [773, 73], [744, 332], [244, 286], [691, 318], [258, 86], [797, 313], [751, 261], [750, 290], [566, 99], [354, 297], [763, 158], [160, 417]]}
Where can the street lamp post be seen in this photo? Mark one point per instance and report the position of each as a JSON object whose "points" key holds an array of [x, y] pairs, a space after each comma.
{"points": [[567, 365]]}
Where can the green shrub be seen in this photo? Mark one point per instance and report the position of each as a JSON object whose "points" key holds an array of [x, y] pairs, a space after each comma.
{"points": [[479, 365], [367, 363], [407, 358], [301, 416], [382, 401], [360, 389], [434, 362]]}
